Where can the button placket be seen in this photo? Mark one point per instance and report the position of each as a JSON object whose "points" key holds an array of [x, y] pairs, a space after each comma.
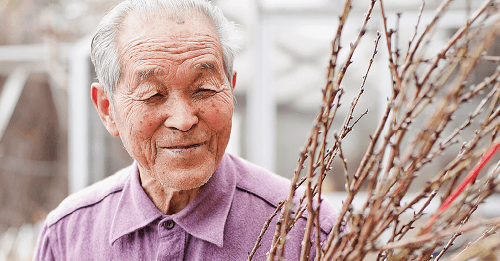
{"points": [[172, 241]]}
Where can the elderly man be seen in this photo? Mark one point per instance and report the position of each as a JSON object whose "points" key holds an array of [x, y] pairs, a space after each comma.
{"points": [[165, 88]]}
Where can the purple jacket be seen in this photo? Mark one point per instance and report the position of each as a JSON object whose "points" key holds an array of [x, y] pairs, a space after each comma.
{"points": [[114, 219]]}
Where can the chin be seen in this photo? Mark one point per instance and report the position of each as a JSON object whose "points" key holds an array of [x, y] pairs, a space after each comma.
{"points": [[186, 180]]}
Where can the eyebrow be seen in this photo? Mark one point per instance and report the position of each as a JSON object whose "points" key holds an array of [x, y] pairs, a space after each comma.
{"points": [[143, 75], [203, 67], [209, 66]]}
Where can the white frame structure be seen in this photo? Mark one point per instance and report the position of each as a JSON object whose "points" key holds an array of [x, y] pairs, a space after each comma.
{"points": [[78, 116]]}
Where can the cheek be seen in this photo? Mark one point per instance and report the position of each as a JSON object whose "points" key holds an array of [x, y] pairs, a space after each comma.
{"points": [[217, 115], [139, 124], [146, 125]]}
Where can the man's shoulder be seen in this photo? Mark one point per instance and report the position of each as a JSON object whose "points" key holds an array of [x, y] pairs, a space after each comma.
{"points": [[259, 182], [272, 188], [90, 196]]}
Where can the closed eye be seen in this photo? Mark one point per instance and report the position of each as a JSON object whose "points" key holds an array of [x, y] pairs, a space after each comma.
{"points": [[204, 93], [155, 98], [202, 90]]}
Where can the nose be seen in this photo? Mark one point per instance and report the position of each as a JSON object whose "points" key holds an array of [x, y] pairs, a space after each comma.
{"points": [[181, 114]]}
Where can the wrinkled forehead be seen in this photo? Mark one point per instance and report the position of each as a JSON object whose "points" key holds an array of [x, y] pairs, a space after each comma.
{"points": [[149, 41], [161, 27]]}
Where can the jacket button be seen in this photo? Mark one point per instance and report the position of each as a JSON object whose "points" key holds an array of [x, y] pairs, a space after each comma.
{"points": [[169, 224]]}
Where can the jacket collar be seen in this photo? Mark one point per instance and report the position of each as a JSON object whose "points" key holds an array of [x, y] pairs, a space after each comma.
{"points": [[205, 217]]}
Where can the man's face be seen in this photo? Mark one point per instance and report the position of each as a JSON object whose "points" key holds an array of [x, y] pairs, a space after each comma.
{"points": [[173, 104]]}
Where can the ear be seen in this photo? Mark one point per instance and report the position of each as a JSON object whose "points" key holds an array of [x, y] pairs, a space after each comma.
{"points": [[102, 104], [234, 79]]}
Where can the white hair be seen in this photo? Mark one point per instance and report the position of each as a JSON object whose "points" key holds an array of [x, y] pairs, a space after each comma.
{"points": [[104, 49]]}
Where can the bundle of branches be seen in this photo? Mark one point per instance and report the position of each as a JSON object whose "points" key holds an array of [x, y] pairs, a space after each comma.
{"points": [[427, 92]]}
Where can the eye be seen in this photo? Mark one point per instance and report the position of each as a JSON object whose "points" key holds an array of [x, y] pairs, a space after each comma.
{"points": [[155, 97], [203, 92]]}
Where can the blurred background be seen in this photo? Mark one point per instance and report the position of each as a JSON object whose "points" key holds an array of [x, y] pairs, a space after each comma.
{"points": [[52, 142]]}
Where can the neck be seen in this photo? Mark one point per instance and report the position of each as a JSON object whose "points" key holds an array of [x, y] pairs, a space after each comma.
{"points": [[168, 200]]}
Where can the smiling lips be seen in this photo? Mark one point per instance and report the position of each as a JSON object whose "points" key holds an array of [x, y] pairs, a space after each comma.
{"points": [[184, 149]]}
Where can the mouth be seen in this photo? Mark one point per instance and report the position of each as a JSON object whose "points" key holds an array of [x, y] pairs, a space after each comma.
{"points": [[183, 148]]}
